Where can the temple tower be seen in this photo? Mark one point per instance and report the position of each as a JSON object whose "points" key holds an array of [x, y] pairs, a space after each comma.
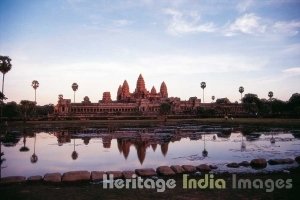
{"points": [[106, 98], [119, 93], [140, 85], [163, 90], [153, 90], [140, 90], [125, 90]]}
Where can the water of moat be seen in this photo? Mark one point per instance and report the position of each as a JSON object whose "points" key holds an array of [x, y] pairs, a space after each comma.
{"points": [[30, 152]]}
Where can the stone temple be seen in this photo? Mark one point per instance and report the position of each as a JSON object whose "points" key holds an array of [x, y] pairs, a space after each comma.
{"points": [[140, 92], [139, 102]]}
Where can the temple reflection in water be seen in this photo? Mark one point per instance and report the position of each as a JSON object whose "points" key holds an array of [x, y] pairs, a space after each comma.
{"points": [[140, 138], [121, 147], [140, 142]]}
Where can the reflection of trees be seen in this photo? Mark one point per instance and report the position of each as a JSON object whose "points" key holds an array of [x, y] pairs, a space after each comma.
{"points": [[195, 137], [62, 137], [86, 140], [243, 145], [34, 158], [204, 152], [296, 134], [250, 134], [74, 153], [226, 133], [24, 148], [11, 139], [1, 162], [2, 159], [272, 140], [252, 137]]}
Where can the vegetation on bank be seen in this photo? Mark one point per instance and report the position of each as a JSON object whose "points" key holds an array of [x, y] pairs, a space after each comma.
{"points": [[26, 110], [254, 107], [271, 122]]}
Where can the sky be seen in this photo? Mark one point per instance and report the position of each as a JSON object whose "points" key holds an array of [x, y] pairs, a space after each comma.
{"points": [[100, 43]]}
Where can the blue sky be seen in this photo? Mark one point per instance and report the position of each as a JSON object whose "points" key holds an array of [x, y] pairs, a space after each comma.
{"points": [[98, 44]]}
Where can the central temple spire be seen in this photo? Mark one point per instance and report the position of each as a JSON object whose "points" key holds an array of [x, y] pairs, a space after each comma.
{"points": [[140, 84], [141, 92]]}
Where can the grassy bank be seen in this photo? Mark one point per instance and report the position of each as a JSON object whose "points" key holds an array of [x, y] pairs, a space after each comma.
{"points": [[274, 122]]}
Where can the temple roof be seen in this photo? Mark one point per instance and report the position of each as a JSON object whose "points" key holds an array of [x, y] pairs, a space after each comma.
{"points": [[153, 90], [125, 83], [163, 90], [140, 84], [125, 86], [163, 87], [119, 90]]}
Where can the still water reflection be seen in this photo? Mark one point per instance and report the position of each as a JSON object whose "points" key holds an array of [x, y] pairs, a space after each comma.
{"points": [[36, 152]]}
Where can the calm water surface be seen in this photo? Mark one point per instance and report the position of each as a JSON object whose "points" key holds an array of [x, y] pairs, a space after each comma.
{"points": [[31, 152]]}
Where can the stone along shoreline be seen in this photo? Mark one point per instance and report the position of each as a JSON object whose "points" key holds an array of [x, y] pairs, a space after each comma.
{"points": [[95, 176]]}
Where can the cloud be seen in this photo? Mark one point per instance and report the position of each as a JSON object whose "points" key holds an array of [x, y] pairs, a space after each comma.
{"points": [[164, 64], [121, 22], [244, 5], [294, 71], [247, 24], [292, 49], [181, 23], [290, 28], [178, 64], [285, 75], [252, 24]]}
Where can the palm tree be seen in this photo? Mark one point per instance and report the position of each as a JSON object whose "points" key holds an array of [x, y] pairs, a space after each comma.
{"points": [[74, 87], [241, 90], [213, 98], [2, 97], [5, 66], [203, 85], [270, 95], [35, 84]]}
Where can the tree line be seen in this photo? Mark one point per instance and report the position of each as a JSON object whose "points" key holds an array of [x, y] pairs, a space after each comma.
{"points": [[272, 107], [26, 110]]}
